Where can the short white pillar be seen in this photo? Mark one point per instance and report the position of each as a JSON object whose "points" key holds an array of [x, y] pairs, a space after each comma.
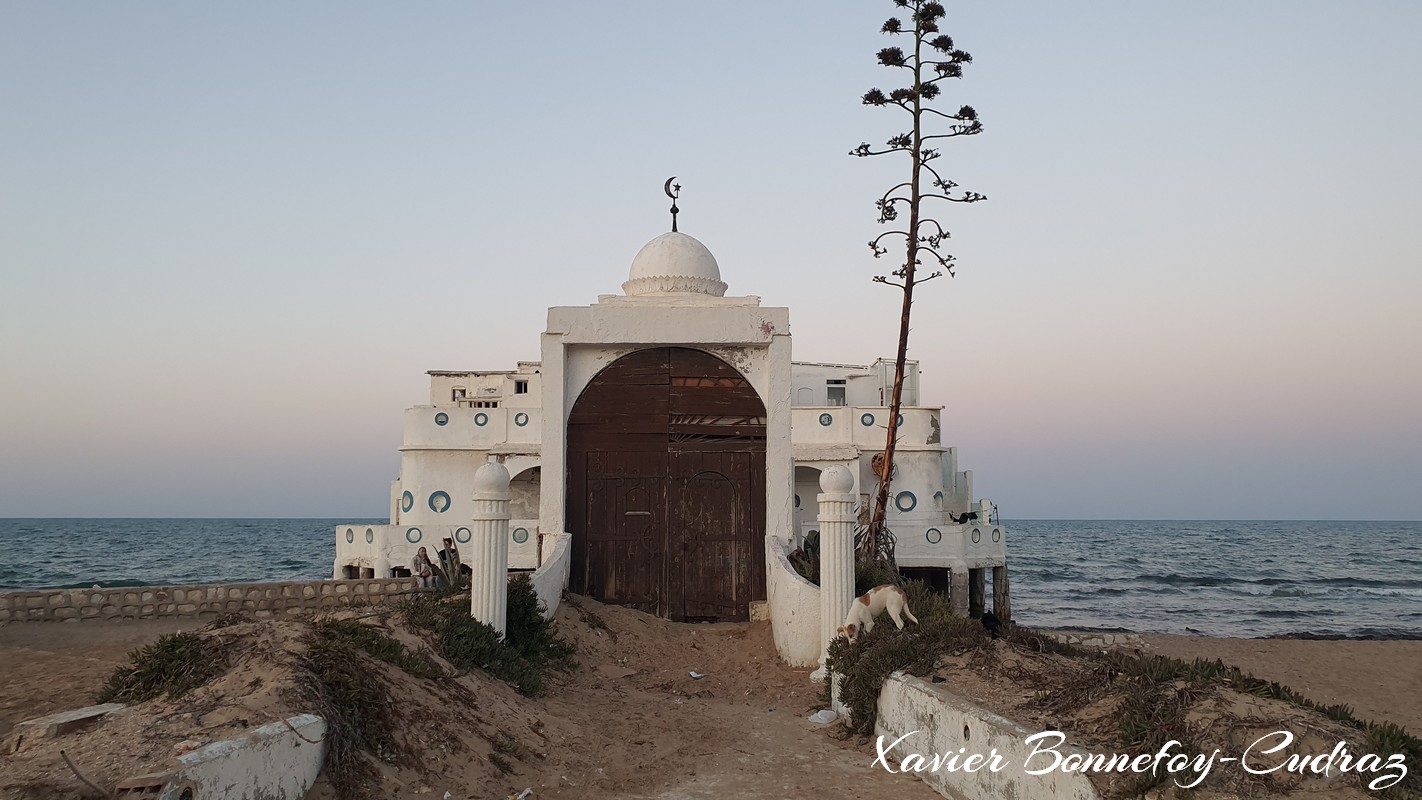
{"points": [[489, 581], [836, 518]]}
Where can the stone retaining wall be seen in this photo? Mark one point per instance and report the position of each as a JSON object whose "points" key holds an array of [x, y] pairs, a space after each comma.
{"points": [[1098, 639], [203, 601]]}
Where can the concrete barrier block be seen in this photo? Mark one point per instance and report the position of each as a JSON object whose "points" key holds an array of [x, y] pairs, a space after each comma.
{"points": [[928, 720], [280, 760]]}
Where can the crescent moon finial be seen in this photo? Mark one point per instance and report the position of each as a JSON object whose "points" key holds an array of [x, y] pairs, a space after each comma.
{"points": [[673, 191]]}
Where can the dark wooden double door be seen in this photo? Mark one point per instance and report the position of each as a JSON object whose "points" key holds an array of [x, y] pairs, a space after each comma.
{"points": [[666, 486]]}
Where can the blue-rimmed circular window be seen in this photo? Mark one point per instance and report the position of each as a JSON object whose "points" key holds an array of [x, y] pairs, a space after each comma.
{"points": [[826, 418], [997, 534], [520, 535], [520, 419], [933, 535], [414, 535], [977, 535], [350, 536], [407, 501], [866, 420], [439, 502], [463, 535], [441, 418], [905, 501], [369, 536], [481, 419], [900, 420]]}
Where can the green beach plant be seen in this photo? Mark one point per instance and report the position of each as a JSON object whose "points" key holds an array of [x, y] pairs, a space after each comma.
{"points": [[529, 649], [174, 665]]}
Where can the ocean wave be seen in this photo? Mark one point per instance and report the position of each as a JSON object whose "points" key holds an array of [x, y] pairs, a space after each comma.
{"points": [[1176, 579]]}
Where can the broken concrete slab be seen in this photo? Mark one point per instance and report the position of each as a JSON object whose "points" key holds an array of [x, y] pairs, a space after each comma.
{"points": [[65, 722], [279, 761]]}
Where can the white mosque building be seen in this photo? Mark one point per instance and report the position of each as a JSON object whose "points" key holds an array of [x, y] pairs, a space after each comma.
{"points": [[666, 454]]}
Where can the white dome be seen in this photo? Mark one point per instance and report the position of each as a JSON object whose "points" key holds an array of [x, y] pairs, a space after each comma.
{"points": [[674, 263]]}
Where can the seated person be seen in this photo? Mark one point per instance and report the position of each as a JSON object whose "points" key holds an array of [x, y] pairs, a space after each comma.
{"points": [[423, 569]]}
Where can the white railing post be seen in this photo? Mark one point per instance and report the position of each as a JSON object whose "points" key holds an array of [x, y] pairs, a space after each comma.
{"points": [[489, 581], [836, 518]]}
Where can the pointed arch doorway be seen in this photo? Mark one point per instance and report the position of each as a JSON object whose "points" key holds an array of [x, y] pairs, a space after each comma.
{"points": [[666, 486]]}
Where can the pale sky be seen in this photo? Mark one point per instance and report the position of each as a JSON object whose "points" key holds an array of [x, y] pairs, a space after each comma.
{"points": [[234, 236]]}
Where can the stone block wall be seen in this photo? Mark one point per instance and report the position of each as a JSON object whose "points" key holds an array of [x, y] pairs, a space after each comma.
{"points": [[202, 601]]}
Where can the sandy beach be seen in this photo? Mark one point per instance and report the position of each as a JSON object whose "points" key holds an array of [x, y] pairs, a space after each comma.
{"points": [[1381, 680], [52, 667]]}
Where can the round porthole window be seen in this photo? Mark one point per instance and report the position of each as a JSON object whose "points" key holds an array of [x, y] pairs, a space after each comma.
{"points": [[826, 418], [977, 535], [350, 536], [933, 535], [997, 534], [520, 419], [463, 535], [905, 501], [481, 419], [439, 502], [414, 535], [441, 418], [797, 501], [520, 535], [866, 420], [900, 420], [369, 536], [407, 501]]}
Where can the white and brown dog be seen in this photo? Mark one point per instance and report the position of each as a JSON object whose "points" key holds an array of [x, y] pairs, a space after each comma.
{"points": [[866, 606]]}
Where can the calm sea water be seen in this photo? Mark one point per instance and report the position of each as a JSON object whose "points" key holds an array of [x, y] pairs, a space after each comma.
{"points": [[1254, 578], [1218, 578]]}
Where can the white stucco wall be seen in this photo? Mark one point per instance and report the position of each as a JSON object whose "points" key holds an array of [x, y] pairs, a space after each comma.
{"points": [[551, 577], [280, 760], [794, 608], [941, 722]]}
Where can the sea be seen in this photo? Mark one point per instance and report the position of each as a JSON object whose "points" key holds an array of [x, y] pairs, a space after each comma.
{"points": [[1217, 578]]}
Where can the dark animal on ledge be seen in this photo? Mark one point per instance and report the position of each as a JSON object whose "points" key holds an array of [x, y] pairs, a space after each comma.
{"points": [[991, 623], [967, 516]]}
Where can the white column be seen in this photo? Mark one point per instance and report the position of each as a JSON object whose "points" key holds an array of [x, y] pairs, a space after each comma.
{"points": [[836, 553], [489, 583]]}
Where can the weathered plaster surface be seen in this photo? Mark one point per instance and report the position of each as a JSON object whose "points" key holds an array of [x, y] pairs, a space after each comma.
{"points": [[279, 761], [794, 608], [942, 722]]}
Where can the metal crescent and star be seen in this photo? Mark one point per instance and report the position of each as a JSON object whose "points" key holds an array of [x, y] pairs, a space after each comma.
{"points": [[673, 191]]}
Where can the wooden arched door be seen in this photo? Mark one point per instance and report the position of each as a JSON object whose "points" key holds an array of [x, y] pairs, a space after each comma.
{"points": [[666, 486]]}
